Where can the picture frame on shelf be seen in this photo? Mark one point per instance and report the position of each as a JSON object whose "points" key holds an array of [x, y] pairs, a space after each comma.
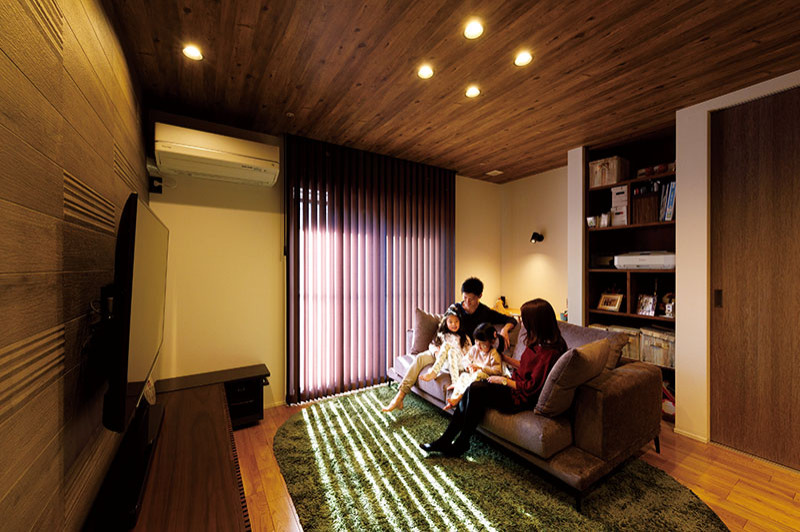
{"points": [[646, 305], [610, 302]]}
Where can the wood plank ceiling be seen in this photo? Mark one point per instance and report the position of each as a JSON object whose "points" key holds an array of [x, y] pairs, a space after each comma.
{"points": [[344, 71]]}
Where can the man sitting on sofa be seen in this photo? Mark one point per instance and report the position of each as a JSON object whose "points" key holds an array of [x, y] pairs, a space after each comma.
{"points": [[472, 313]]}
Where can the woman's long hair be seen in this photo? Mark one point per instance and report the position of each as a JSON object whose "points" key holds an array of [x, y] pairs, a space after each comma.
{"points": [[443, 329], [539, 321]]}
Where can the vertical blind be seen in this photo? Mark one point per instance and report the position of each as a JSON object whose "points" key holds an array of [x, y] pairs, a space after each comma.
{"points": [[370, 238]]}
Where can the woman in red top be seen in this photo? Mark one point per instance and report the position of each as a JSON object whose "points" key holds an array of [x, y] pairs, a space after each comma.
{"points": [[520, 392]]}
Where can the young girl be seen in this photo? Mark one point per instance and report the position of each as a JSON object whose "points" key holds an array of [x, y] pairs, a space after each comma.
{"points": [[450, 345], [480, 362]]}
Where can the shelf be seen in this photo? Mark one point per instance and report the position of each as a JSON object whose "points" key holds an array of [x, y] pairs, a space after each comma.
{"points": [[653, 177], [629, 315], [629, 270], [635, 180], [632, 226]]}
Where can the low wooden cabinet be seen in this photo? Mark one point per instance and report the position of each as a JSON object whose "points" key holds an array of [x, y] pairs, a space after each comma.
{"points": [[244, 390], [194, 481], [245, 400]]}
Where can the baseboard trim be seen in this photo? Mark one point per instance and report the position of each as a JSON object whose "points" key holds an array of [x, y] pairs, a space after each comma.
{"points": [[691, 435]]}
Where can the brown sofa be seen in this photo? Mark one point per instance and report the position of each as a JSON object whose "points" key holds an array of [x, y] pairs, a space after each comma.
{"points": [[611, 417]]}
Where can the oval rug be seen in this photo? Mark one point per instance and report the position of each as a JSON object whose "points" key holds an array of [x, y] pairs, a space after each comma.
{"points": [[349, 466]]}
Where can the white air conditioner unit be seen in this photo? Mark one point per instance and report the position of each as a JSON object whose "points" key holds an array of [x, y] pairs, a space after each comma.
{"points": [[194, 153]]}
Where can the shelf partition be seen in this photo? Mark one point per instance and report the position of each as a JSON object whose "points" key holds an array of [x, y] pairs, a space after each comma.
{"points": [[630, 315], [631, 226]]}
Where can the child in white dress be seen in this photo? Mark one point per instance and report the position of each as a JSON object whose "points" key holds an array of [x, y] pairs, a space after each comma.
{"points": [[449, 346], [480, 362]]}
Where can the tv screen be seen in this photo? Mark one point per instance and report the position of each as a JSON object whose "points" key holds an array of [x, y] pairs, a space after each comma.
{"points": [[139, 292]]}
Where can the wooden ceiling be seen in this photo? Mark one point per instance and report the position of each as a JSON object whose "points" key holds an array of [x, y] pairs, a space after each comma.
{"points": [[344, 71]]}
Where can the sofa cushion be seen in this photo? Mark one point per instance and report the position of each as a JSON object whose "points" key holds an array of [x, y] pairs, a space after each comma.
{"points": [[543, 436], [576, 336], [437, 387], [573, 368], [521, 344], [425, 325]]}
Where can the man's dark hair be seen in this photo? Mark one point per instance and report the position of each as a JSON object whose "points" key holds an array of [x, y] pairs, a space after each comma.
{"points": [[473, 285]]}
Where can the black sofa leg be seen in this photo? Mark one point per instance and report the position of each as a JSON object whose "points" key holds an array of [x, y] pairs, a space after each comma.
{"points": [[658, 445], [578, 500]]}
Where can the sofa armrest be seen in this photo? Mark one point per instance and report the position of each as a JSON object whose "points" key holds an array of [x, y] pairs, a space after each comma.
{"points": [[618, 410]]}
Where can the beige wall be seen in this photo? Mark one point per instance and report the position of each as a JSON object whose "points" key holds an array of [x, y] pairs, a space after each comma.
{"points": [[576, 165], [493, 229], [478, 236], [537, 203], [225, 285]]}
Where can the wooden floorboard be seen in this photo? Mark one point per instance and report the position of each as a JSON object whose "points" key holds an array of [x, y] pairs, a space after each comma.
{"points": [[746, 492], [268, 501]]}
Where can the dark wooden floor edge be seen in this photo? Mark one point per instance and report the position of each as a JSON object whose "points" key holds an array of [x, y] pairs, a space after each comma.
{"points": [[238, 473]]}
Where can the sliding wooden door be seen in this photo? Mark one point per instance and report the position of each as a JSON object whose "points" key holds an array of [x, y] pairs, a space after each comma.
{"points": [[755, 277]]}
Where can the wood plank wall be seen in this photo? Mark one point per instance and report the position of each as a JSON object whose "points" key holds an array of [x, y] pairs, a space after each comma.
{"points": [[70, 152]]}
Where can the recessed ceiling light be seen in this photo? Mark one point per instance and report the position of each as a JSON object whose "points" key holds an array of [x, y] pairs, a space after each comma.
{"points": [[193, 52], [425, 71], [472, 91], [474, 29], [523, 58], [494, 173]]}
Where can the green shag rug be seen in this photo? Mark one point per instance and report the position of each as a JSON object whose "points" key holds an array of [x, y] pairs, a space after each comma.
{"points": [[349, 466]]}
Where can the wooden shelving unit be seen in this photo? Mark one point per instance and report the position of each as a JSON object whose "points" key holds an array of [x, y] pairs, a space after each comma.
{"points": [[649, 234]]}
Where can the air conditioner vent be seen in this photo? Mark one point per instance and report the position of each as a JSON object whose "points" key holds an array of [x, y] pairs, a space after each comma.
{"points": [[182, 151]]}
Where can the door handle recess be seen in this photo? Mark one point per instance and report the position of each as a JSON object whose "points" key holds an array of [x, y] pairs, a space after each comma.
{"points": [[718, 298]]}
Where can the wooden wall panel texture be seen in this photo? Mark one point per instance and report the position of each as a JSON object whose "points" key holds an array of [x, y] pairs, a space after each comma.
{"points": [[70, 152], [41, 188]]}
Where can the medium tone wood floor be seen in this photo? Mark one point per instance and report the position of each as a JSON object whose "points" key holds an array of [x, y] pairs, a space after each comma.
{"points": [[746, 492]]}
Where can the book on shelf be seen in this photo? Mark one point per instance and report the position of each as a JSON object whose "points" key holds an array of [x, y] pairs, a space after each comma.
{"points": [[670, 211], [667, 210]]}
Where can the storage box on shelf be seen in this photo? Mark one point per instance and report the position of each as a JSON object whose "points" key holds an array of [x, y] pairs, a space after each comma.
{"points": [[631, 350], [658, 347], [608, 171]]}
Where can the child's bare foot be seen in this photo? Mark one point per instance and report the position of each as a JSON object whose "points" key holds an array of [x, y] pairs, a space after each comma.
{"points": [[396, 403], [448, 406], [451, 387], [428, 376], [453, 401]]}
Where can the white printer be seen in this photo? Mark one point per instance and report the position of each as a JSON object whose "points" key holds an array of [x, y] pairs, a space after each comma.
{"points": [[645, 260]]}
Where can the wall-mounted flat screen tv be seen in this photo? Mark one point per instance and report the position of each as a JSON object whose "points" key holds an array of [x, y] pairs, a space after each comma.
{"points": [[137, 318]]}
